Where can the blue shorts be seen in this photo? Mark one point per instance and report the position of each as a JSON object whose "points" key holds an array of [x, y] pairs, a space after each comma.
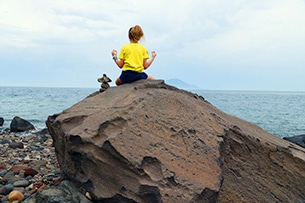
{"points": [[131, 76]]}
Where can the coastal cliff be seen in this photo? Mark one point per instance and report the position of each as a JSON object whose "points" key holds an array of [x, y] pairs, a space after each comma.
{"points": [[151, 142]]}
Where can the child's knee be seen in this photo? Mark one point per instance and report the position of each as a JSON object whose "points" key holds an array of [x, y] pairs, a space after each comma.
{"points": [[150, 77], [118, 82]]}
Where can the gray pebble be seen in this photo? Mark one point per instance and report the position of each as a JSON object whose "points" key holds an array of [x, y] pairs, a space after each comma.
{"points": [[6, 189], [21, 183], [2, 173]]}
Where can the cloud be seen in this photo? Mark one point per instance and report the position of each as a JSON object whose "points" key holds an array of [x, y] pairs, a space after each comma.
{"points": [[198, 38]]}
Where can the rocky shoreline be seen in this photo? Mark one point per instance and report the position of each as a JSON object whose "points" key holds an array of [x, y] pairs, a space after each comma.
{"points": [[27, 164]]}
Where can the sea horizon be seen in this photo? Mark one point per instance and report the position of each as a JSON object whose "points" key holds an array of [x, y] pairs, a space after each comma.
{"points": [[187, 89]]}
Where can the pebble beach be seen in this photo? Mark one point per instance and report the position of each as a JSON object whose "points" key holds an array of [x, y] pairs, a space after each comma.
{"points": [[27, 164]]}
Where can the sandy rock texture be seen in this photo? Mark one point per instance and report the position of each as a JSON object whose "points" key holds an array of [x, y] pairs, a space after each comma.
{"points": [[151, 142]]}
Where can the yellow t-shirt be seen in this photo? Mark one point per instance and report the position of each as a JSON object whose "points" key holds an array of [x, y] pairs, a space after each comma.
{"points": [[133, 55]]}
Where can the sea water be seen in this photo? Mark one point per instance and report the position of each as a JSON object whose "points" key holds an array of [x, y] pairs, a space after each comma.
{"points": [[280, 113], [35, 104]]}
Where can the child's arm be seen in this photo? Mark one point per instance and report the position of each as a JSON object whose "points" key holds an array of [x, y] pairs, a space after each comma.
{"points": [[119, 62], [147, 62]]}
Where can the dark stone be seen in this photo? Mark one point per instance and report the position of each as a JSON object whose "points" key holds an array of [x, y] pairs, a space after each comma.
{"points": [[6, 189], [30, 172], [3, 170], [15, 145], [20, 125], [299, 140], [1, 121], [5, 142]]}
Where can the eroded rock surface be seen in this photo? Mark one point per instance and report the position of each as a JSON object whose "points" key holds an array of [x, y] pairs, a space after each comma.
{"points": [[150, 142]]}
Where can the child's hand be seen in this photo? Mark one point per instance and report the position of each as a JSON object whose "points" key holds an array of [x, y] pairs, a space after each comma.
{"points": [[114, 52], [153, 54]]}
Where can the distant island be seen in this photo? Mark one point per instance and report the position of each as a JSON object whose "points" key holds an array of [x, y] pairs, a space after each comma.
{"points": [[180, 84]]}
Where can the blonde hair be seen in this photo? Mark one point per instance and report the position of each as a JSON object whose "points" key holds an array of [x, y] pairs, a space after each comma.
{"points": [[136, 33]]}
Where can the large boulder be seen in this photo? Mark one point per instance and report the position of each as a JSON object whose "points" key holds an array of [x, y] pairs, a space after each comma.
{"points": [[20, 125], [150, 142]]}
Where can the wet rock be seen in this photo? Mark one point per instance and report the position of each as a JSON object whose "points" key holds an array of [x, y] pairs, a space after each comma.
{"points": [[20, 125], [1, 121]]}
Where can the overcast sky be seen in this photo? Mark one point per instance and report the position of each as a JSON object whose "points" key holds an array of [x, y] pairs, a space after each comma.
{"points": [[213, 44]]}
